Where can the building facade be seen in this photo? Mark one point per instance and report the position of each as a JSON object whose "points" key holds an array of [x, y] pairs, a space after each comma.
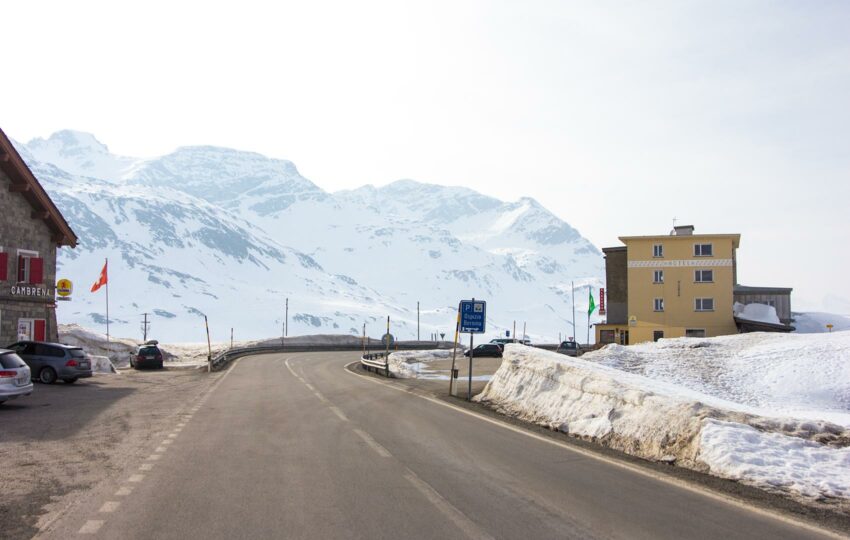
{"points": [[31, 230], [676, 285]]}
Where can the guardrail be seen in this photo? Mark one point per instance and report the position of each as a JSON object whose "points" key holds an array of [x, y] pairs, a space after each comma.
{"points": [[223, 358], [375, 362]]}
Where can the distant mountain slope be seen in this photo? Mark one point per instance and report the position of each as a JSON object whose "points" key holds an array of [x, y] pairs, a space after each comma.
{"points": [[232, 234]]}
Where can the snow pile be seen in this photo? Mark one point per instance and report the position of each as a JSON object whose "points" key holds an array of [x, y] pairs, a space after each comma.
{"points": [[756, 312], [101, 364], [118, 351], [408, 364], [659, 420], [805, 376], [813, 323]]}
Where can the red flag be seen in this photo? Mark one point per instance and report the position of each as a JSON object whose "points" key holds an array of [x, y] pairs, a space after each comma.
{"points": [[101, 281]]}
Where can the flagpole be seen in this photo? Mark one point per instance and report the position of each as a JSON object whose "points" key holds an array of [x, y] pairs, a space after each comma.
{"points": [[590, 290], [106, 265]]}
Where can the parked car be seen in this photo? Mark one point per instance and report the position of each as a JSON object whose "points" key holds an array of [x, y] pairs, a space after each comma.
{"points": [[148, 355], [570, 348], [51, 361], [487, 349], [503, 341], [14, 376]]}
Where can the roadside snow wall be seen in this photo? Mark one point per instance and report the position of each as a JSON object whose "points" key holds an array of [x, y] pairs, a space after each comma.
{"points": [[404, 364], [659, 421]]}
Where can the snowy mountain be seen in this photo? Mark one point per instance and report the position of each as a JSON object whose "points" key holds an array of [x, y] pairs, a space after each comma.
{"points": [[232, 234]]}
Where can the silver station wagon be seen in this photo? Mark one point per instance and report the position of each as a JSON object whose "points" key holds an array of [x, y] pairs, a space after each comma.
{"points": [[14, 376], [52, 361]]}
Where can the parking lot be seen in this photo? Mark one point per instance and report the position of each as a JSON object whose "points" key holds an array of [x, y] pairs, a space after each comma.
{"points": [[66, 438]]}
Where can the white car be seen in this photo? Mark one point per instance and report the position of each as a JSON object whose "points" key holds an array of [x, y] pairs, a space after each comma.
{"points": [[14, 376]]}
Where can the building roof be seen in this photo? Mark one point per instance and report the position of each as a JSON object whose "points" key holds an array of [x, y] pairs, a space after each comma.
{"points": [[25, 183], [745, 289], [614, 249], [736, 238]]}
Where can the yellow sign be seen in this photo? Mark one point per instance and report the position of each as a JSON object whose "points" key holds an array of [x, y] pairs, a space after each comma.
{"points": [[64, 287], [633, 320]]}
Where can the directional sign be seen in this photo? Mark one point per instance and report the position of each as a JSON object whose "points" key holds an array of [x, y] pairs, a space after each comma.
{"points": [[473, 315]]}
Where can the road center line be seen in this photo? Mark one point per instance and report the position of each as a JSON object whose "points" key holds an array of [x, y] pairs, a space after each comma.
{"points": [[383, 452], [338, 412], [109, 506]]}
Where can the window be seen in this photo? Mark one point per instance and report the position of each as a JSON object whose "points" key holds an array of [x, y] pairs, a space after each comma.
{"points": [[703, 304], [703, 276], [657, 334], [4, 265], [658, 304], [30, 267], [694, 332], [658, 276], [658, 250], [606, 336], [703, 250]]}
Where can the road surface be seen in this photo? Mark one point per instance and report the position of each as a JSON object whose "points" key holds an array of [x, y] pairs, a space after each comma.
{"points": [[296, 446]]}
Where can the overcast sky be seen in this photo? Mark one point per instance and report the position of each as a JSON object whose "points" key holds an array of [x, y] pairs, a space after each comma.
{"points": [[618, 116]]}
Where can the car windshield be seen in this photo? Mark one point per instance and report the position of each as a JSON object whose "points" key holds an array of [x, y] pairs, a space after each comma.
{"points": [[11, 361], [77, 353]]}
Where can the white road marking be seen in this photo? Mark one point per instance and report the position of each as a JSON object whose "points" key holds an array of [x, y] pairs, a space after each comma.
{"points": [[610, 461], [109, 506], [309, 387], [383, 452], [322, 398], [146, 466], [167, 441], [469, 527], [136, 478], [91, 526], [339, 413], [172, 435], [154, 457], [161, 449], [123, 491]]}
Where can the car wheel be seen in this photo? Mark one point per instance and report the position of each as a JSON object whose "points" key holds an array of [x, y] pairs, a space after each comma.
{"points": [[72, 380], [47, 375]]}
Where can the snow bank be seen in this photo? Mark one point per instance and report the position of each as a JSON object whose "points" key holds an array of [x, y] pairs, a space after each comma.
{"points": [[407, 364], [659, 420], [756, 312], [806, 376], [101, 364]]}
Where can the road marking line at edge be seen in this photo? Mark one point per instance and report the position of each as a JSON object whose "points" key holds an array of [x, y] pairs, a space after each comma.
{"points": [[109, 506], [91, 526], [383, 452], [610, 461], [469, 527]]}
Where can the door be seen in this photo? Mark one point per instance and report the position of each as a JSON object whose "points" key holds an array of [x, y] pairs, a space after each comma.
{"points": [[39, 329], [657, 334]]}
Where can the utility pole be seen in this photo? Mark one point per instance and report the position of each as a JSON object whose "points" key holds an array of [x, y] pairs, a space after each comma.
{"points": [[231, 337], [573, 294], [145, 325], [209, 345], [286, 320], [417, 321]]}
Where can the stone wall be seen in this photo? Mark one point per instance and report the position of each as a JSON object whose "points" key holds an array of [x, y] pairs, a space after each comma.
{"points": [[18, 230]]}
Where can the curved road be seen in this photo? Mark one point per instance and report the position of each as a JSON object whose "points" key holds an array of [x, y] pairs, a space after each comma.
{"points": [[295, 446]]}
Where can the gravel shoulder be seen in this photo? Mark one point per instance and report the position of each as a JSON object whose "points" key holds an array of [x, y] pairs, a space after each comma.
{"points": [[66, 439]]}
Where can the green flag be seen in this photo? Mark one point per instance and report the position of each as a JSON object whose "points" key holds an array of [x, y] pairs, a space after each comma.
{"points": [[592, 305]]}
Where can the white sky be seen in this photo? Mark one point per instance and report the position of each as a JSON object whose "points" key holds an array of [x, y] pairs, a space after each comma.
{"points": [[618, 116]]}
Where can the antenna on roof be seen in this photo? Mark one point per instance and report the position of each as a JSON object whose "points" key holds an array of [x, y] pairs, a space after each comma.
{"points": [[673, 230]]}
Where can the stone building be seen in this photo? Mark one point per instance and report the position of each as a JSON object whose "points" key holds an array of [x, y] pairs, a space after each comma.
{"points": [[31, 230]]}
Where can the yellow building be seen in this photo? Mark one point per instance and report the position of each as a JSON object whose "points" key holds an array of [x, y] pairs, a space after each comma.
{"points": [[668, 286]]}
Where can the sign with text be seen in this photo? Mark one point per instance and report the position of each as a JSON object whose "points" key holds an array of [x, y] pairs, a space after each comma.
{"points": [[602, 301], [473, 316]]}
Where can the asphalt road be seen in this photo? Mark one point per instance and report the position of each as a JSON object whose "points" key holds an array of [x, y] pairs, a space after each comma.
{"points": [[295, 446]]}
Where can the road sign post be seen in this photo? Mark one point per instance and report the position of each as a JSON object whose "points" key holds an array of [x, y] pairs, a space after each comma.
{"points": [[473, 318]]}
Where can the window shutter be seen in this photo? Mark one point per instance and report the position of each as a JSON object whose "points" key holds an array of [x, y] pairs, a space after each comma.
{"points": [[21, 272], [36, 270], [4, 266]]}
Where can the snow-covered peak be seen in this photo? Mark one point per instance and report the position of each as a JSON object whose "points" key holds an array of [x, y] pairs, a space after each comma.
{"points": [[82, 154]]}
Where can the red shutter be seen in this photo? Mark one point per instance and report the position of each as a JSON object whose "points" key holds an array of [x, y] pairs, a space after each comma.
{"points": [[36, 271], [40, 329], [4, 266]]}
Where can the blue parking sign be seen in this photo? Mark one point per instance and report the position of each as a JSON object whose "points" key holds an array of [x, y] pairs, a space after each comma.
{"points": [[473, 315]]}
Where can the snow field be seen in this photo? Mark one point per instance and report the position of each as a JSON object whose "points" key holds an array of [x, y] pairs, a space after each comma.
{"points": [[405, 364], [663, 421]]}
